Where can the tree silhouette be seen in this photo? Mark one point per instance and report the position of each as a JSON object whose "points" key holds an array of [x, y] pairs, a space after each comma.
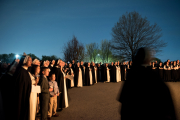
{"points": [[132, 32], [73, 50]]}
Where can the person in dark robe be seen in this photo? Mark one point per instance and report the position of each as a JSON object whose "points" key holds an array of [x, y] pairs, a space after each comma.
{"points": [[103, 76], [93, 72], [154, 68], [106, 72], [7, 79], [70, 72], [78, 81], [156, 64], [167, 72], [63, 88], [174, 71], [178, 71], [3, 69], [51, 65], [83, 71], [22, 89], [123, 71], [34, 62], [144, 95], [161, 70], [58, 74], [88, 75], [112, 72], [98, 72], [73, 65]]}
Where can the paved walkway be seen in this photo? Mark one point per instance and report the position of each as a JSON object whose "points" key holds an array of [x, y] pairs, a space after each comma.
{"points": [[98, 102]]}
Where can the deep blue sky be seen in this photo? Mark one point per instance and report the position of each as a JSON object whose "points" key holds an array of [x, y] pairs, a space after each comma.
{"points": [[42, 27]]}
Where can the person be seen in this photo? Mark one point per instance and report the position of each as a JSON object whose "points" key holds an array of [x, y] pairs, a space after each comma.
{"points": [[51, 65], [62, 88], [22, 89], [178, 71], [78, 80], [167, 71], [112, 72], [7, 79], [34, 75], [160, 70], [156, 64], [123, 71], [88, 75], [58, 74], [44, 95], [174, 71], [3, 69], [118, 72], [106, 73], [153, 67], [144, 96], [83, 71], [73, 65], [94, 72], [99, 72], [53, 96], [70, 72]]}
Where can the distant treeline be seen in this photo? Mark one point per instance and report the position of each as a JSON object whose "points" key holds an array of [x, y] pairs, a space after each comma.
{"points": [[8, 58]]}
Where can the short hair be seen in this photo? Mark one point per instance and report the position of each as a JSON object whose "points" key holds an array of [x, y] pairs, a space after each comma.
{"points": [[44, 68], [51, 73]]}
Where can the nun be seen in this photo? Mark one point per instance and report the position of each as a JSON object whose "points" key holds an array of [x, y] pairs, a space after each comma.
{"points": [[22, 89], [83, 71], [7, 79], [118, 72], [63, 89], [78, 76], [58, 74], [167, 72], [88, 75], [106, 73], [70, 72]]}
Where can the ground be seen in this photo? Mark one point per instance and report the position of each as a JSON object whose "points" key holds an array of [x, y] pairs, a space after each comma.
{"points": [[99, 102]]}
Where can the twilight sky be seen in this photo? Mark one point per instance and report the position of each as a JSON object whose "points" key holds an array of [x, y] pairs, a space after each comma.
{"points": [[42, 27]]}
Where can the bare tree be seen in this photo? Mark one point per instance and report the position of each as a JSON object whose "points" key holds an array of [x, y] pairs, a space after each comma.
{"points": [[92, 51], [131, 32], [73, 50], [105, 50]]}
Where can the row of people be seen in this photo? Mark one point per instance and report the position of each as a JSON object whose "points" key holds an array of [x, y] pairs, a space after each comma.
{"points": [[20, 78]]}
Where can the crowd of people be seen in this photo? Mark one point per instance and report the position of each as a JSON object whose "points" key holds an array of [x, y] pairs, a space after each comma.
{"points": [[20, 81]]}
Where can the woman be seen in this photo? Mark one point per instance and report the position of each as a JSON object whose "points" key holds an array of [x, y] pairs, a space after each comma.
{"points": [[167, 72], [35, 70], [78, 76], [70, 72], [160, 70], [88, 75], [22, 89], [118, 72], [95, 72], [63, 89], [7, 79], [106, 73], [83, 71], [57, 71], [174, 71]]}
